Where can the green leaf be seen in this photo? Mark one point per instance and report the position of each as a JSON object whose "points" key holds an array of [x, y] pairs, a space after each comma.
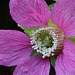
{"points": [[53, 60], [71, 38], [28, 31], [51, 6], [35, 53]]}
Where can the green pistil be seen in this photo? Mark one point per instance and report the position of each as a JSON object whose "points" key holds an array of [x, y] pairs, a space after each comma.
{"points": [[47, 42], [50, 42], [43, 35]]}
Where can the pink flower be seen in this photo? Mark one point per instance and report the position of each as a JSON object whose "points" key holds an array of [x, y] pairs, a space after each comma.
{"points": [[15, 46]]}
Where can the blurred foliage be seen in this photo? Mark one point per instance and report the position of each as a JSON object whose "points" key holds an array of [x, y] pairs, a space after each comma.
{"points": [[51, 6], [55, 0]]}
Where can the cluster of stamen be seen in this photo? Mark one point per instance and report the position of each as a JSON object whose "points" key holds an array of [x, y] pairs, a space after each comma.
{"points": [[45, 41]]}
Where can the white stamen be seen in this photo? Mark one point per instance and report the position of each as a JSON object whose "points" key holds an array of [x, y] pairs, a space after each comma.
{"points": [[41, 47], [52, 54]]}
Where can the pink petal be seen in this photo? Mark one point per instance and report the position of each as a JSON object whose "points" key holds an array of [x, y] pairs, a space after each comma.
{"points": [[30, 13], [35, 65], [63, 16], [65, 63], [14, 45]]}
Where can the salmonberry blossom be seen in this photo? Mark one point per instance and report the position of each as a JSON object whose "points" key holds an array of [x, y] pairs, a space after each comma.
{"points": [[16, 47]]}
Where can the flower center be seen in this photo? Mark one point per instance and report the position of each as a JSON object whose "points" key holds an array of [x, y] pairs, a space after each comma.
{"points": [[48, 41]]}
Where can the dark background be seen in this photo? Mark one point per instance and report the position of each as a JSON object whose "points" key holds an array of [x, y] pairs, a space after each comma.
{"points": [[6, 22]]}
